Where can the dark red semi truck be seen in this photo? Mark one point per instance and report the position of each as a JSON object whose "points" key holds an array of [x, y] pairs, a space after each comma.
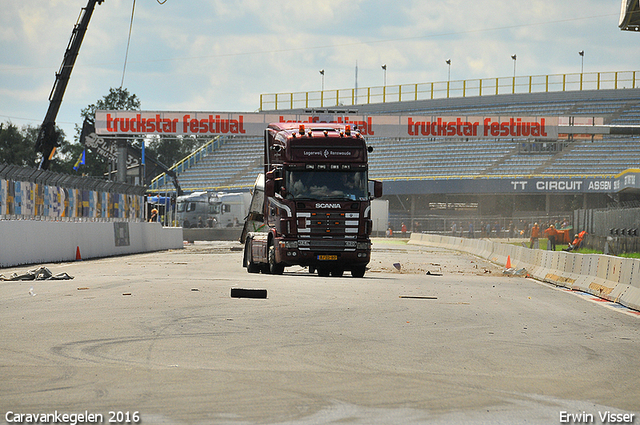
{"points": [[312, 205]]}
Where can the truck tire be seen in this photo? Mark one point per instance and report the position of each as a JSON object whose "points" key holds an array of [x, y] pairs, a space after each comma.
{"points": [[248, 263], [358, 271], [248, 293], [274, 268]]}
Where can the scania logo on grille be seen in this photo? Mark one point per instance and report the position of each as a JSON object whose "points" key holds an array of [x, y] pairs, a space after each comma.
{"points": [[328, 205]]}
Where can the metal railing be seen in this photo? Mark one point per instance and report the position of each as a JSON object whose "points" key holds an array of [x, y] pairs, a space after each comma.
{"points": [[163, 179], [448, 89]]}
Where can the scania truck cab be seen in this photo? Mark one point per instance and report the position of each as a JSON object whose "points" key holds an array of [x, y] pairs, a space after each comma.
{"points": [[315, 203]]}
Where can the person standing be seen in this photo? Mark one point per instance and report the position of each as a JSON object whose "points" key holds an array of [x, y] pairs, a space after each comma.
{"points": [[535, 235], [552, 235]]}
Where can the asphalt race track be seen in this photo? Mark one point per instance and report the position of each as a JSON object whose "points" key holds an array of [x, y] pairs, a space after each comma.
{"points": [[159, 336]]}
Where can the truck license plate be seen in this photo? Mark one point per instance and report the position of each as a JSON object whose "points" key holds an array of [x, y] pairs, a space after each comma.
{"points": [[327, 257]]}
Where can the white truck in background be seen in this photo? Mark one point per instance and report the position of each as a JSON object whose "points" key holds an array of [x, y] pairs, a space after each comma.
{"points": [[213, 209]]}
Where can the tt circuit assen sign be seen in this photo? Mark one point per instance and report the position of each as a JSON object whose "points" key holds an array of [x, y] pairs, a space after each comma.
{"points": [[628, 180], [253, 124]]}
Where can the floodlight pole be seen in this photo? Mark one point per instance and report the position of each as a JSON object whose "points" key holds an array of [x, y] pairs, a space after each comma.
{"points": [[514, 57]]}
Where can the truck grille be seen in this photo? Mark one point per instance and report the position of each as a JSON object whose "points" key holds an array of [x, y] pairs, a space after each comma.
{"points": [[330, 223], [326, 245]]}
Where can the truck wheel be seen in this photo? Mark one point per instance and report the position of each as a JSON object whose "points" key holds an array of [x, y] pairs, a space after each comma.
{"points": [[312, 269], [337, 272], [358, 271], [250, 265], [274, 268]]}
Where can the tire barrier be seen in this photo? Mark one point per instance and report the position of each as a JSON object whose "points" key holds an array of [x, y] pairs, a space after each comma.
{"points": [[612, 278]]}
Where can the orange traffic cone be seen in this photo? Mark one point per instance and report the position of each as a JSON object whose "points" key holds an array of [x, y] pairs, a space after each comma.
{"points": [[78, 257], [508, 266]]}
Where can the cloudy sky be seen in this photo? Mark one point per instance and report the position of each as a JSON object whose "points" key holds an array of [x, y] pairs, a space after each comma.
{"points": [[220, 55]]}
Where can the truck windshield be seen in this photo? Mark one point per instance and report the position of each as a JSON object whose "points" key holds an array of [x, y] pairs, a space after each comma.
{"points": [[326, 185]]}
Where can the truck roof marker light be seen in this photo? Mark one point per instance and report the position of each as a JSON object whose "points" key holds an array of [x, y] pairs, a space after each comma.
{"points": [[347, 130], [341, 133], [310, 133], [301, 129], [326, 133]]}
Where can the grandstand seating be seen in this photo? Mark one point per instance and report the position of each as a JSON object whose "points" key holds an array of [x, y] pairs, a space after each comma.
{"points": [[237, 162]]}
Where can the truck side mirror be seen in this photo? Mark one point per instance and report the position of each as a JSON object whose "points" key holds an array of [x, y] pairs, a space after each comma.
{"points": [[377, 188], [269, 184]]}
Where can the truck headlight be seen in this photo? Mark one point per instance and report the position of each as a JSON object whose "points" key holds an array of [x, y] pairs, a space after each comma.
{"points": [[291, 244], [362, 245]]}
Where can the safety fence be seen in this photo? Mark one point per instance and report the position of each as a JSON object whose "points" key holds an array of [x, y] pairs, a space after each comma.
{"points": [[488, 226], [615, 279], [31, 194], [447, 89], [609, 221]]}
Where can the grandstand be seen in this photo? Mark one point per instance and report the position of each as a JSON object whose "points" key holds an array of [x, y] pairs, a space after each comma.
{"points": [[416, 170], [233, 165]]}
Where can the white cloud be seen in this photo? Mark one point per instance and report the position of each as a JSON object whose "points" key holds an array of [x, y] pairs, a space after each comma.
{"points": [[222, 54]]}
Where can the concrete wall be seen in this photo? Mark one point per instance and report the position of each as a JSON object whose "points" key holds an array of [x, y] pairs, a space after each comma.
{"points": [[32, 242], [612, 278]]}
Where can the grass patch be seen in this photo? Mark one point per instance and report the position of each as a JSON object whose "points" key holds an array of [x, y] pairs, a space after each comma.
{"points": [[543, 246]]}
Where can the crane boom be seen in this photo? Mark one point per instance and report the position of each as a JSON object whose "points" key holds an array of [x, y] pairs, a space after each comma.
{"points": [[47, 137]]}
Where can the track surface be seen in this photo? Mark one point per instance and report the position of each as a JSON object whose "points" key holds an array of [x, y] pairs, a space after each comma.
{"points": [[159, 334]]}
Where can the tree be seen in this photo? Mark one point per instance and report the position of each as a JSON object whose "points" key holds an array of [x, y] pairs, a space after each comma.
{"points": [[17, 145], [95, 165], [118, 99], [169, 150]]}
